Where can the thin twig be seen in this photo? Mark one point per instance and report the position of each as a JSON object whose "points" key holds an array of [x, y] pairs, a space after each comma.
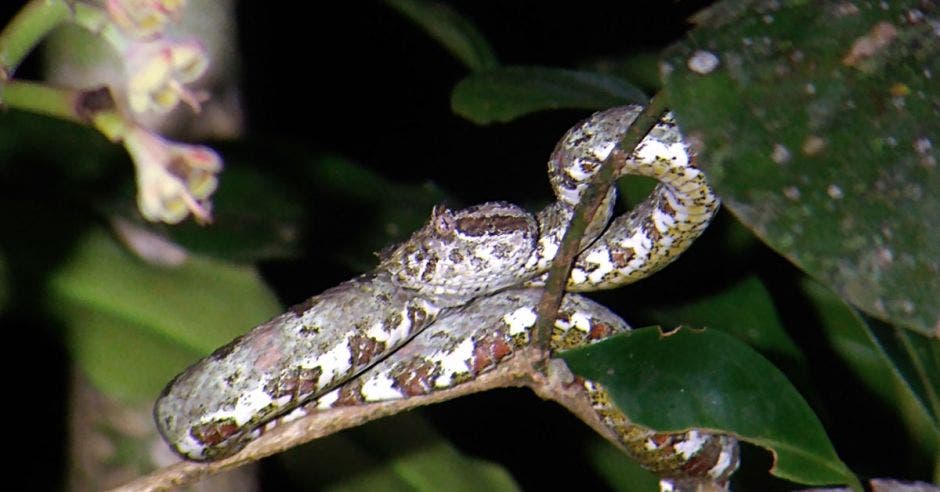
{"points": [[583, 213]]}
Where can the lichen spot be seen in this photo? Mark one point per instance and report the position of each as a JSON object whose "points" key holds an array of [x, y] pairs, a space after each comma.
{"points": [[703, 62]]}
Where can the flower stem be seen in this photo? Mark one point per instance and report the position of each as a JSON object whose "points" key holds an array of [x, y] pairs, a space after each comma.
{"points": [[30, 25], [93, 107], [43, 99], [97, 21]]}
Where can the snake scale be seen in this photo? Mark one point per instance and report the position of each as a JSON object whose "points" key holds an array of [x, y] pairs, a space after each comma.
{"points": [[457, 298]]}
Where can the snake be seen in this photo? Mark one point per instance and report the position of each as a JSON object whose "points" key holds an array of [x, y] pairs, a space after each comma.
{"points": [[459, 297]]}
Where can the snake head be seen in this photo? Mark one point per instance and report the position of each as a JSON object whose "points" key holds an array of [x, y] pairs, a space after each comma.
{"points": [[462, 254]]}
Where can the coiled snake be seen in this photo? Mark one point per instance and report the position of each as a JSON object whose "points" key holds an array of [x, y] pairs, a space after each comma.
{"points": [[456, 299]]}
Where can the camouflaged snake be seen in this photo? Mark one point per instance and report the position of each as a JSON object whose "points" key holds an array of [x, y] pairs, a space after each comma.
{"points": [[457, 298]]}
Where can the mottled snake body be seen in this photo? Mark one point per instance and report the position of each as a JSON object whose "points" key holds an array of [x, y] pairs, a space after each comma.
{"points": [[456, 299]]}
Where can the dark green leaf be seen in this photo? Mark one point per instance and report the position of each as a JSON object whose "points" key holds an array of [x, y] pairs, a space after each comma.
{"points": [[642, 69], [902, 372], [820, 127], [744, 309], [133, 326], [506, 93], [708, 379], [452, 30]]}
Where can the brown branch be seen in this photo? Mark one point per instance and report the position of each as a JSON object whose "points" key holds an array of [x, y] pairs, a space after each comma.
{"points": [[516, 371]]}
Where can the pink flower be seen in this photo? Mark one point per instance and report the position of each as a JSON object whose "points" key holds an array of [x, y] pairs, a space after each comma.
{"points": [[144, 18], [173, 179], [158, 71]]}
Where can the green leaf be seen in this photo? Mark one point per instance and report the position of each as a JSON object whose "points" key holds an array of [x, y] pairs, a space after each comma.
{"points": [[455, 32], [902, 372], [133, 326], [506, 93], [744, 309], [820, 128], [708, 379], [642, 69], [402, 452]]}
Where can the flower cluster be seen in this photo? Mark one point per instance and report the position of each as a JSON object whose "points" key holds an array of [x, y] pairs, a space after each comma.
{"points": [[173, 179], [158, 74], [144, 18]]}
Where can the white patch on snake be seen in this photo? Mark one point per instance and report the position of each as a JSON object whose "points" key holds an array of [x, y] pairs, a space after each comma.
{"points": [[248, 405], [578, 276], [332, 363], [663, 221], [692, 445], [549, 248], [678, 155], [520, 320], [191, 447], [725, 459], [453, 362], [326, 400], [251, 402], [380, 388], [391, 335], [290, 416], [603, 151], [577, 173], [378, 333], [604, 265], [649, 151], [571, 196], [581, 321]]}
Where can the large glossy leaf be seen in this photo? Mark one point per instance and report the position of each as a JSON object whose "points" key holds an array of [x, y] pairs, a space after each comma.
{"points": [[902, 373], [133, 326], [453, 31], [819, 125], [709, 379], [506, 93], [746, 310]]}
